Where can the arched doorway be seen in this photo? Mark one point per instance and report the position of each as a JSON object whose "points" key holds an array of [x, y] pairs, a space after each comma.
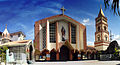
{"points": [[31, 50], [53, 55], [64, 53]]}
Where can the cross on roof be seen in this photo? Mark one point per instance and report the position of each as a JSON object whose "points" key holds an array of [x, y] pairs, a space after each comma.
{"points": [[63, 9]]}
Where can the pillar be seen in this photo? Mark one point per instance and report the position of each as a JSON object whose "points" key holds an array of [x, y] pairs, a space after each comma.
{"points": [[69, 26], [57, 55], [57, 45]]}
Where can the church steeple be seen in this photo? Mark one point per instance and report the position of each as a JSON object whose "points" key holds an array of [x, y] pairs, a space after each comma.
{"points": [[101, 12], [101, 34], [6, 34]]}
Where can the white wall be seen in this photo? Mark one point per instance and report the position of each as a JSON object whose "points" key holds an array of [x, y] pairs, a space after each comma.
{"points": [[103, 47], [16, 38], [48, 36]]}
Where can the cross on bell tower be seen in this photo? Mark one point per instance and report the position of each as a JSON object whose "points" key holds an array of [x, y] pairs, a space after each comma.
{"points": [[63, 9]]}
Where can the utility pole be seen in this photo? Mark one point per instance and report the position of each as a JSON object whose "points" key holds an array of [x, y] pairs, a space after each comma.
{"points": [[111, 36]]}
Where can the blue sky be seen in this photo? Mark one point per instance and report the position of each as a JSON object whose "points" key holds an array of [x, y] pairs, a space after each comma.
{"points": [[20, 15]]}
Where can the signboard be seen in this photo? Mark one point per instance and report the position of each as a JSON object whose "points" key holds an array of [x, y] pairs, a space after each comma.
{"points": [[47, 55], [79, 55]]}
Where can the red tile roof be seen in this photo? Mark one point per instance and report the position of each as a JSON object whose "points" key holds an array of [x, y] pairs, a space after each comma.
{"points": [[16, 33]]}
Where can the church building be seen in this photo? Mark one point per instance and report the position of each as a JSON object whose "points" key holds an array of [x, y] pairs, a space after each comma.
{"points": [[101, 34], [17, 45], [58, 37]]}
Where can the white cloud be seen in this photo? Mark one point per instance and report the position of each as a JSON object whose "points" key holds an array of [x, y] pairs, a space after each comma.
{"points": [[86, 20], [21, 25], [87, 13], [53, 10], [90, 43], [117, 38], [30, 34]]}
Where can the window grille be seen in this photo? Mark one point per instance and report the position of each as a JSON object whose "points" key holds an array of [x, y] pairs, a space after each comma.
{"points": [[52, 32], [73, 34], [44, 37]]}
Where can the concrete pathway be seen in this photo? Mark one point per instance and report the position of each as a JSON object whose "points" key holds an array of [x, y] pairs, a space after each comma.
{"points": [[88, 62]]}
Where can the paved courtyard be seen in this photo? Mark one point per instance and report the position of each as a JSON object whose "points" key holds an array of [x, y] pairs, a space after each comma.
{"points": [[89, 62]]}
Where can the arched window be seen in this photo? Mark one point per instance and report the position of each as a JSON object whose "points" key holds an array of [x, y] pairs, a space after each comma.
{"points": [[6, 35], [98, 38], [106, 38], [105, 28], [98, 28], [3, 35]]}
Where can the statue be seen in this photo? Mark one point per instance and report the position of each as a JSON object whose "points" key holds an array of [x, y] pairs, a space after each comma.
{"points": [[63, 33]]}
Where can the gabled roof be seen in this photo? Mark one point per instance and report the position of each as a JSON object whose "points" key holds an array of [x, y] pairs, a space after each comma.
{"points": [[56, 16], [17, 33], [67, 43], [101, 12]]}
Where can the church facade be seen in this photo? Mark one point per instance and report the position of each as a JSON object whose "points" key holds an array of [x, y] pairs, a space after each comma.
{"points": [[58, 37], [101, 34]]}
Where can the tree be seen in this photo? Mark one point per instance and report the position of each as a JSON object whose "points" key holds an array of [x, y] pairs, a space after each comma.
{"points": [[3, 53], [114, 5]]}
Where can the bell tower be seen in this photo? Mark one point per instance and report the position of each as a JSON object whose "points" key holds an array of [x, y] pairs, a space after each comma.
{"points": [[101, 34]]}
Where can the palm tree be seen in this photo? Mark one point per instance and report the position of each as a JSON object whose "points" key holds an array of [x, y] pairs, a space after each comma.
{"points": [[114, 5]]}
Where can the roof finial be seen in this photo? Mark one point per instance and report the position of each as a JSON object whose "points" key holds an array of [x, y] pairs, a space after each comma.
{"points": [[63, 9], [6, 26]]}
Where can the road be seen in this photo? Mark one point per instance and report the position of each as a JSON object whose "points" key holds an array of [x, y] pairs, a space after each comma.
{"points": [[89, 62]]}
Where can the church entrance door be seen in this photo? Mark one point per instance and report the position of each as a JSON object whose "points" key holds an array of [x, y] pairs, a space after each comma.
{"points": [[64, 53]]}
